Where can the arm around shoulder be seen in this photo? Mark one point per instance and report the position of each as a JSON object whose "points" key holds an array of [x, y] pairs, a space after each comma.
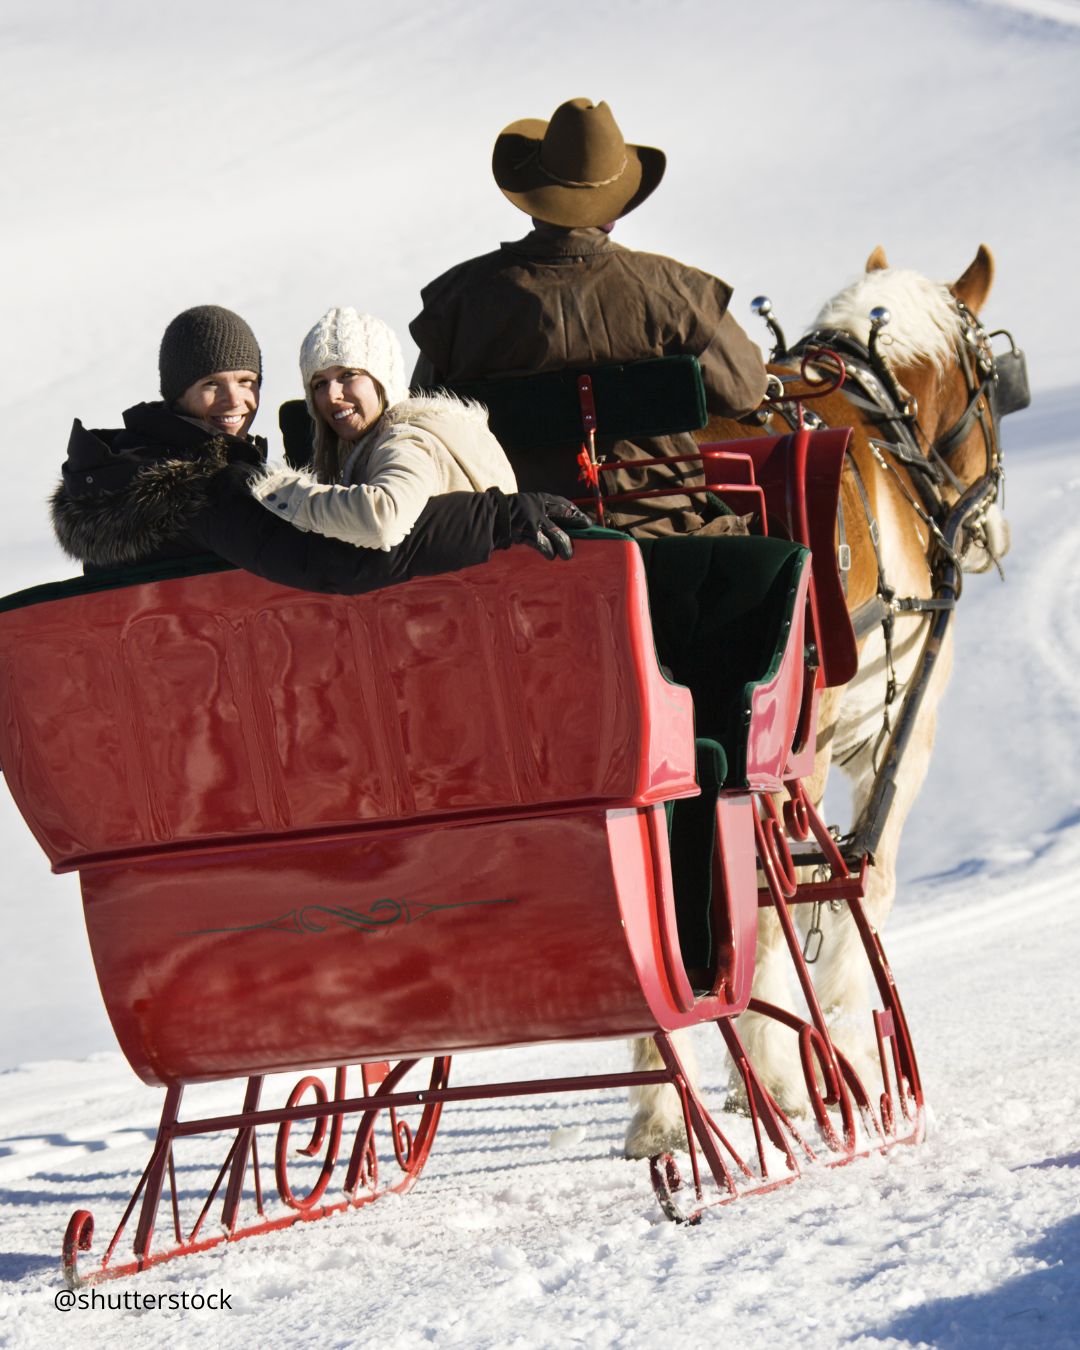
{"points": [[376, 514], [453, 531]]}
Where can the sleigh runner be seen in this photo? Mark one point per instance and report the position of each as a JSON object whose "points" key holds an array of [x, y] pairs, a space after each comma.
{"points": [[468, 812]]}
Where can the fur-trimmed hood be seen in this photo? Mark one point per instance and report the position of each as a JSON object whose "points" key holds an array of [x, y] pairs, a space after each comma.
{"points": [[128, 496]]}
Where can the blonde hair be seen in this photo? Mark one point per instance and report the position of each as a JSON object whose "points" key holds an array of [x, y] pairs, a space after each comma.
{"points": [[330, 452], [345, 337]]}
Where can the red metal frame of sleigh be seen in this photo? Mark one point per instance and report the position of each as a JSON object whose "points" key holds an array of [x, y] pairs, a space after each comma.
{"points": [[380, 830]]}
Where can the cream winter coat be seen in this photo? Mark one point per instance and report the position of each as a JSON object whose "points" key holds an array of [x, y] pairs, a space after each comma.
{"points": [[419, 448]]}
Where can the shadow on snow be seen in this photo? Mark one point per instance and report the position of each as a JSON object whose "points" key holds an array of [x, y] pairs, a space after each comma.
{"points": [[1041, 1307]]}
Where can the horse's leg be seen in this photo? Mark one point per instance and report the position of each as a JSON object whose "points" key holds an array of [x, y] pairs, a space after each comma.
{"points": [[657, 1125], [841, 974], [772, 1048]]}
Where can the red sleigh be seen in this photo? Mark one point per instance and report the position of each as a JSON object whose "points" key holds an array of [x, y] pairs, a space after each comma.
{"points": [[368, 832]]}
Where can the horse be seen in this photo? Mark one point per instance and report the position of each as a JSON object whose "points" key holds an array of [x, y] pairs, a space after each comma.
{"points": [[920, 399]]}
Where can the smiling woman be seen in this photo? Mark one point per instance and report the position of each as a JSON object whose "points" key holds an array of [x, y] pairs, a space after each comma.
{"points": [[211, 369], [227, 401], [379, 454], [348, 401]]}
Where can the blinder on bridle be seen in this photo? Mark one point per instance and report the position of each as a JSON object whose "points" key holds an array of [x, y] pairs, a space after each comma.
{"points": [[1002, 380], [997, 385], [1010, 392]]}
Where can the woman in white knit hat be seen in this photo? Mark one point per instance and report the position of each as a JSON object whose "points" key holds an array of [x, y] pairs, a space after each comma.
{"points": [[379, 454]]}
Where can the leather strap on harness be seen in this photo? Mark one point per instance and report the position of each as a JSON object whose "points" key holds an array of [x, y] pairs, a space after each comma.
{"points": [[873, 611], [875, 392]]}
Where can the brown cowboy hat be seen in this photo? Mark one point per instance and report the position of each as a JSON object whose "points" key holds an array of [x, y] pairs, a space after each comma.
{"points": [[575, 170]]}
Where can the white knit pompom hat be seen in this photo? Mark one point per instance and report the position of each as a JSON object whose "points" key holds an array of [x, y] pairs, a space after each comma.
{"points": [[345, 337]]}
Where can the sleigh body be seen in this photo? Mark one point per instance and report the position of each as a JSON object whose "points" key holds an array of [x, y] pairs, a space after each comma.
{"points": [[463, 813]]}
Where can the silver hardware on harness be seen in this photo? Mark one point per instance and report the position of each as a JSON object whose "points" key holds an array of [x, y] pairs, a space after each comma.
{"points": [[814, 936], [761, 307]]}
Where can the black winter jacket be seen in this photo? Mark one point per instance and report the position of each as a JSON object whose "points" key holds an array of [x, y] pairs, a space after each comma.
{"points": [[164, 488]]}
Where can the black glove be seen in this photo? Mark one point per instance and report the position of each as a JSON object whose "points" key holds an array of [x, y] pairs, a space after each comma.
{"points": [[535, 518]]}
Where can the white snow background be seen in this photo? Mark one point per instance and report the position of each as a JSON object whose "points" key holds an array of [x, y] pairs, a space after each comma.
{"points": [[279, 158]]}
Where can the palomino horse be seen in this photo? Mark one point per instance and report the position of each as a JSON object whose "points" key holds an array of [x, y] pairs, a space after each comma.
{"points": [[920, 397]]}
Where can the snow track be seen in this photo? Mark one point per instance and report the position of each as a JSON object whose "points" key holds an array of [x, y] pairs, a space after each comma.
{"points": [[1052, 627], [989, 906], [1064, 13]]}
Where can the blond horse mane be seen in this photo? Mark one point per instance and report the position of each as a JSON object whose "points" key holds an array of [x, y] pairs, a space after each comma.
{"points": [[924, 323]]}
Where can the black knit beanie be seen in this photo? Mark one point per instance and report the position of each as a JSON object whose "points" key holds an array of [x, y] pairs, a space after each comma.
{"points": [[202, 341]]}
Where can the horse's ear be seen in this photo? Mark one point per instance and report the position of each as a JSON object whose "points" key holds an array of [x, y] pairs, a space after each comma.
{"points": [[974, 286], [877, 260]]}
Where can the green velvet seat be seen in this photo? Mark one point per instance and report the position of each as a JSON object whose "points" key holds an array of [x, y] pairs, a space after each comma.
{"points": [[722, 610], [654, 397]]}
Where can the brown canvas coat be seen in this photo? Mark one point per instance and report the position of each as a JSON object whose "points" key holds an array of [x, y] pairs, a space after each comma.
{"points": [[572, 299]]}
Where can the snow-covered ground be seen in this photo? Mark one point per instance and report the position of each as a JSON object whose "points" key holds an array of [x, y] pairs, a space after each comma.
{"points": [[278, 159]]}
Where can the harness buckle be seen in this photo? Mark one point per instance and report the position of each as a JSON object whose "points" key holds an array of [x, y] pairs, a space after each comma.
{"points": [[843, 557]]}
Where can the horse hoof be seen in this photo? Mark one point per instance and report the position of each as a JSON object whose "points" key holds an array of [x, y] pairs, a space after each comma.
{"points": [[648, 1136], [736, 1104]]}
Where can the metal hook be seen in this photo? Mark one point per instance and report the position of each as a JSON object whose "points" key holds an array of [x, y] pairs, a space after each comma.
{"points": [[814, 936]]}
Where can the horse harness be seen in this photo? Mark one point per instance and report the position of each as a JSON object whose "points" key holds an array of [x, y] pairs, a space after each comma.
{"points": [[871, 387]]}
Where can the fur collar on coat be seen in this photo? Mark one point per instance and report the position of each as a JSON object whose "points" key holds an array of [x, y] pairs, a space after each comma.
{"points": [[438, 413], [128, 496], [424, 410], [421, 407]]}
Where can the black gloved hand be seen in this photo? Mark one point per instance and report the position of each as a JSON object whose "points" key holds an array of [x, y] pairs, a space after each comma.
{"points": [[535, 518]]}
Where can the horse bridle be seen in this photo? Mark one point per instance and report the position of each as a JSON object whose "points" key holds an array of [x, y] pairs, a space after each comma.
{"points": [[879, 393], [984, 406]]}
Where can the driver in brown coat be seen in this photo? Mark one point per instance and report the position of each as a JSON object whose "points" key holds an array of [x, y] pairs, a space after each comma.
{"points": [[567, 297]]}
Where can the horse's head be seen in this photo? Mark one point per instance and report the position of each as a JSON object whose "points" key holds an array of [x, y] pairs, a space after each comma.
{"points": [[941, 365]]}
